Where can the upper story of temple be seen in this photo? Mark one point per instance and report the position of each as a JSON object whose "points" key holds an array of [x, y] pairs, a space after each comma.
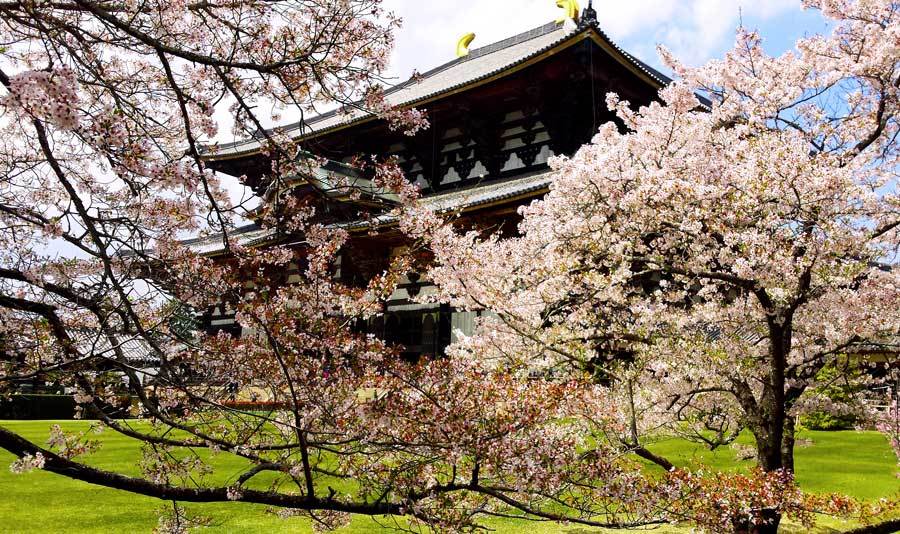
{"points": [[496, 115]]}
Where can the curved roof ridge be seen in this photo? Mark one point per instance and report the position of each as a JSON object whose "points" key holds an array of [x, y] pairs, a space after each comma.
{"points": [[476, 53], [481, 63]]}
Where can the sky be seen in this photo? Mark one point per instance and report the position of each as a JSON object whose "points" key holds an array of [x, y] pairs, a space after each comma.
{"points": [[695, 30]]}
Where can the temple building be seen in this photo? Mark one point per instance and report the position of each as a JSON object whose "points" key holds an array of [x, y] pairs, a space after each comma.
{"points": [[496, 115]]}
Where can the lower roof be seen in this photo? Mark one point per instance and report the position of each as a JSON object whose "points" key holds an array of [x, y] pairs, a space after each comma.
{"points": [[464, 199]]}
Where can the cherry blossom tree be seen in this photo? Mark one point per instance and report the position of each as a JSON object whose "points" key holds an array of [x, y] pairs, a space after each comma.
{"points": [[710, 254], [105, 109]]}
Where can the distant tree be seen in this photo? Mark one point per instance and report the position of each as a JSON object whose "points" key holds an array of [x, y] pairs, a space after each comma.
{"points": [[709, 261]]}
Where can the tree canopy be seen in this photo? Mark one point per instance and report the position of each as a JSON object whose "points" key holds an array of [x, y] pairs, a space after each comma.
{"points": [[694, 268]]}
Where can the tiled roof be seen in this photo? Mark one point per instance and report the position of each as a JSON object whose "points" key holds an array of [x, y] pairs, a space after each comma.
{"points": [[136, 351], [460, 199], [247, 236], [481, 63], [471, 197]]}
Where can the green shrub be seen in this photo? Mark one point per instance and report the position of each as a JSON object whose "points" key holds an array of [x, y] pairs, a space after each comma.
{"points": [[827, 421], [841, 390], [39, 406]]}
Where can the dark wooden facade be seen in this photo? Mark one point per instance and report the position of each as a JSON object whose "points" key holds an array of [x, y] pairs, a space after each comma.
{"points": [[487, 136]]}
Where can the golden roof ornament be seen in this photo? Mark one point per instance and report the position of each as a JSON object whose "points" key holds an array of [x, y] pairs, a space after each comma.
{"points": [[570, 10], [462, 46]]}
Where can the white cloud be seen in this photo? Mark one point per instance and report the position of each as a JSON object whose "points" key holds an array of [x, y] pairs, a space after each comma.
{"points": [[699, 29], [624, 19]]}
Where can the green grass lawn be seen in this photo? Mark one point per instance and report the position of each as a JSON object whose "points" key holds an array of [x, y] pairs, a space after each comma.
{"points": [[859, 464]]}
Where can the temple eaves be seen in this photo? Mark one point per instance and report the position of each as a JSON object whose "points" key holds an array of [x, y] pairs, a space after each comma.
{"points": [[481, 64]]}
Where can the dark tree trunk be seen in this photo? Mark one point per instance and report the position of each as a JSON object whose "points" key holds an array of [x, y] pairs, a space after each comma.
{"points": [[774, 431], [768, 448], [787, 444], [775, 450], [774, 428]]}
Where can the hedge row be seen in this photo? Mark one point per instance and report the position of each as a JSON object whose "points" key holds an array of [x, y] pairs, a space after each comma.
{"points": [[37, 406]]}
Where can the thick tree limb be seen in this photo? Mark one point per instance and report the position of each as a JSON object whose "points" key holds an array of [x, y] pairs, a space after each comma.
{"points": [[658, 460], [886, 527], [59, 465]]}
